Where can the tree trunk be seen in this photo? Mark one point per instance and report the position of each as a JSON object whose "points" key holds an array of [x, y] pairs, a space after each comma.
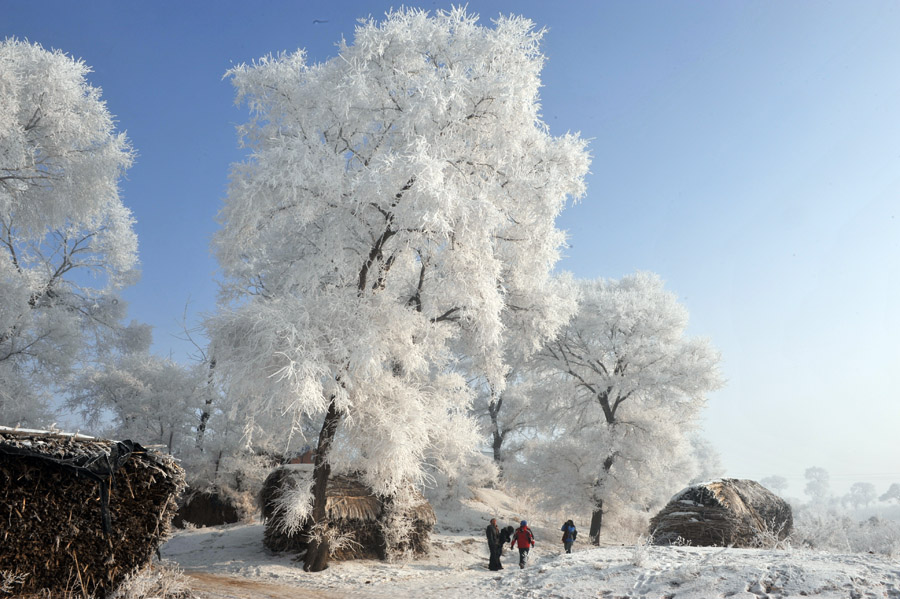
{"points": [[596, 522], [207, 408], [496, 446], [498, 435], [597, 515], [318, 547]]}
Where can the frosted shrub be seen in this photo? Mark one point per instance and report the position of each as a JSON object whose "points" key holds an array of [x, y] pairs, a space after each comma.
{"points": [[396, 525], [771, 538], [161, 581], [336, 539], [641, 552], [10, 580], [476, 470], [826, 530], [295, 504]]}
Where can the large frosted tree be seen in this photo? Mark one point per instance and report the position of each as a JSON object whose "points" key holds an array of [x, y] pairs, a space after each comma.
{"points": [[624, 387], [66, 239], [398, 205]]}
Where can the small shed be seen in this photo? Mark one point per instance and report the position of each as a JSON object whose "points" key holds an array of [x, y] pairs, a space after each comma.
{"points": [[728, 512], [79, 514], [351, 507]]}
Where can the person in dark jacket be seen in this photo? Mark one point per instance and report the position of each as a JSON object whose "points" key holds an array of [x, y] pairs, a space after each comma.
{"points": [[494, 546], [569, 534], [525, 540], [506, 534]]}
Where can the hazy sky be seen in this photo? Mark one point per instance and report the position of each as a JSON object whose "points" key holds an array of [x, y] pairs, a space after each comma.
{"points": [[748, 152]]}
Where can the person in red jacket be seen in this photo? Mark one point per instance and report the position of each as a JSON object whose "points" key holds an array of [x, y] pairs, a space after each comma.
{"points": [[525, 540]]}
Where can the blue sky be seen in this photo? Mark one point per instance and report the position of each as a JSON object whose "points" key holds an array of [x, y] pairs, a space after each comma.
{"points": [[748, 152]]}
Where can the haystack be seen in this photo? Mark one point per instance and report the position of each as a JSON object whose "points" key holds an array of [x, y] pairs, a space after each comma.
{"points": [[207, 507], [725, 512], [79, 514], [352, 509]]}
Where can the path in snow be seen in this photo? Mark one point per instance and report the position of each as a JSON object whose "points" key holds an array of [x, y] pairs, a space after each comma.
{"points": [[231, 563]]}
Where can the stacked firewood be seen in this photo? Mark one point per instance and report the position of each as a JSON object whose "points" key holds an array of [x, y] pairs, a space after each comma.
{"points": [[79, 514]]}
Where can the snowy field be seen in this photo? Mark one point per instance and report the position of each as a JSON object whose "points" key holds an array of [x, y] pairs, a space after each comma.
{"points": [[457, 567], [231, 562]]}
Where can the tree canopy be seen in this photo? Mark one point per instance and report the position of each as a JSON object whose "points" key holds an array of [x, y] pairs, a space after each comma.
{"points": [[66, 240], [397, 207]]}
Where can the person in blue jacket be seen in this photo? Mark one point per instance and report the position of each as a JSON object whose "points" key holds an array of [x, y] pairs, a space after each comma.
{"points": [[569, 534]]}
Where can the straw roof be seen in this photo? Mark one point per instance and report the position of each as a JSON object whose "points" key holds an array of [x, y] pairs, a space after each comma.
{"points": [[725, 512], [347, 497]]}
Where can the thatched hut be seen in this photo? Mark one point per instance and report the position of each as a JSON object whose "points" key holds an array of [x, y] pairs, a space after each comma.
{"points": [[79, 514], [728, 512], [352, 509]]}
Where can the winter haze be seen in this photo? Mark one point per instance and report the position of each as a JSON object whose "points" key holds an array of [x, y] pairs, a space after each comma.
{"points": [[746, 152]]}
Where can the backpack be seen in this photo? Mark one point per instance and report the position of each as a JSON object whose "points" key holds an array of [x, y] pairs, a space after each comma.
{"points": [[569, 534]]}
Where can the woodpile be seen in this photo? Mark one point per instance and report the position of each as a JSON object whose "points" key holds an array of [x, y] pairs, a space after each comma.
{"points": [[353, 511], [79, 514], [728, 512]]}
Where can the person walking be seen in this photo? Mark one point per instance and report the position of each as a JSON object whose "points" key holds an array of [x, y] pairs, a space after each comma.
{"points": [[506, 534], [494, 546], [569, 534], [525, 540]]}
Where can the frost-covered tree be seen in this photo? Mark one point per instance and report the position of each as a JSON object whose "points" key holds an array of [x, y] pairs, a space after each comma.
{"points": [[143, 397], [776, 484], [508, 413], [818, 484], [893, 493], [158, 401], [707, 460], [861, 494], [66, 239], [630, 385], [398, 205]]}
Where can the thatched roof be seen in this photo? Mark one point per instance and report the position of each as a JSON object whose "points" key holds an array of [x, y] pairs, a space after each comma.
{"points": [[725, 512], [80, 513], [347, 497], [351, 506]]}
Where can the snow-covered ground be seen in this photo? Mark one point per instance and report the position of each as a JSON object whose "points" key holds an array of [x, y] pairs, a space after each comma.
{"points": [[457, 567]]}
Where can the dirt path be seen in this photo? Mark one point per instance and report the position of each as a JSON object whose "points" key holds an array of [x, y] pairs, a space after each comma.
{"points": [[214, 586]]}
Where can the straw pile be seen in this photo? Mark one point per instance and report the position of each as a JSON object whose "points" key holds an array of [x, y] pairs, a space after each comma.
{"points": [[723, 513], [352, 510], [207, 507], [79, 514]]}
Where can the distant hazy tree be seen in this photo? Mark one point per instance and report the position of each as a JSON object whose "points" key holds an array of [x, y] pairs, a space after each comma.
{"points": [[817, 484], [144, 397], [629, 387], [707, 460], [398, 205], [776, 484], [66, 240], [892, 494], [862, 494]]}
